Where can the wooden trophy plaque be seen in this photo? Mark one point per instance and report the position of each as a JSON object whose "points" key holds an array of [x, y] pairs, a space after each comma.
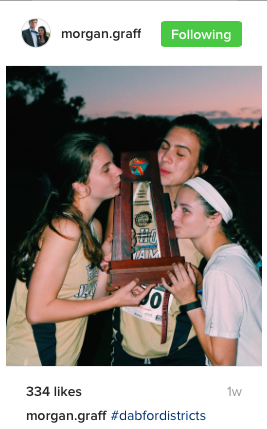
{"points": [[144, 241]]}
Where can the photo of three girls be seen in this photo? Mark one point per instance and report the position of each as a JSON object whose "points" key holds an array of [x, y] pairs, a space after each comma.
{"points": [[62, 266]]}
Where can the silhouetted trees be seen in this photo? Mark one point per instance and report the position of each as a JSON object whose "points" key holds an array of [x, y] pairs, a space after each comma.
{"points": [[37, 115], [242, 149]]}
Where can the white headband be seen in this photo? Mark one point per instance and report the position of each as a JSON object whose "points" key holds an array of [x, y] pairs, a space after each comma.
{"points": [[209, 193]]}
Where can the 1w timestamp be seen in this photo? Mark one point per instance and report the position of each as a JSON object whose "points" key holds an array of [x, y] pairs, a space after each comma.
{"points": [[54, 391]]}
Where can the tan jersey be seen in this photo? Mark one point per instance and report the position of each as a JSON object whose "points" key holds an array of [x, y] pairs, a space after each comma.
{"points": [[51, 343], [141, 338]]}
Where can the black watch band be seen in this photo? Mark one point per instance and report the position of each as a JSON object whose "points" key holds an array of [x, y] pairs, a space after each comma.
{"points": [[191, 306]]}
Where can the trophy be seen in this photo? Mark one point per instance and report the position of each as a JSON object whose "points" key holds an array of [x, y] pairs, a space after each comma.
{"points": [[144, 241]]}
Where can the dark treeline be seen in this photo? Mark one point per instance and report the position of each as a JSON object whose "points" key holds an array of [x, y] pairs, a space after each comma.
{"points": [[38, 114]]}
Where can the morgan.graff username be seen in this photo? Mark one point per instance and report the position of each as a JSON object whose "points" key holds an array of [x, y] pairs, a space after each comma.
{"points": [[90, 35]]}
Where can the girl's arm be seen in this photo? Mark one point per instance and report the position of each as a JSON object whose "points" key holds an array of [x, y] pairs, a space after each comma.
{"points": [[220, 351], [49, 274]]}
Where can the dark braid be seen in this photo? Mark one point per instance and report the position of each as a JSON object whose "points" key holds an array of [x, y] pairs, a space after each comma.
{"points": [[233, 230]]}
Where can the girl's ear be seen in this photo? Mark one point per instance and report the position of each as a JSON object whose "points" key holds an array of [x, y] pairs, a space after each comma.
{"points": [[204, 168], [215, 220], [77, 186], [82, 189], [197, 171]]}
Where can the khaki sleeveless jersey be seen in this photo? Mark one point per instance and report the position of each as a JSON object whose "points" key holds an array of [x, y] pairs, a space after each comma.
{"points": [[141, 338], [49, 344]]}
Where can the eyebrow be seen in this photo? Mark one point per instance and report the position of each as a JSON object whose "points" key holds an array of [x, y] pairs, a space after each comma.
{"points": [[107, 163], [187, 205], [177, 145]]}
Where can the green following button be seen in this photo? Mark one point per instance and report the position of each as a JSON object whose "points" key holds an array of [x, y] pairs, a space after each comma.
{"points": [[201, 34]]}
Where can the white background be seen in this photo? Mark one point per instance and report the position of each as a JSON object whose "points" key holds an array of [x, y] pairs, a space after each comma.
{"points": [[130, 388]]}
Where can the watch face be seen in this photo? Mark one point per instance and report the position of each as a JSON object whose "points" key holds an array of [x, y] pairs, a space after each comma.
{"points": [[138, 166]]}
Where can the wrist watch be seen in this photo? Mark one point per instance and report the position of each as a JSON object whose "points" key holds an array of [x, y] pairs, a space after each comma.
{"points": [[191, 306]]}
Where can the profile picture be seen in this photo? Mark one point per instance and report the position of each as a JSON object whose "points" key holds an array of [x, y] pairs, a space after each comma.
{"points": [[36, 32]]}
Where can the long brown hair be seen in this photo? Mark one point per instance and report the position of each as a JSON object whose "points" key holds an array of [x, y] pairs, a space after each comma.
{"points": [[72, 162], [45, 35]]}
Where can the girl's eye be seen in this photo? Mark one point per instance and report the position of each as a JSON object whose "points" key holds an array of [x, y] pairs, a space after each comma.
{"points": [[164, 146], [180, 154], [175, 205], [185, 210], [106, 171]]}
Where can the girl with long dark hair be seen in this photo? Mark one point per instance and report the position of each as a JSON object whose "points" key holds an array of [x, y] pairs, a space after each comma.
{"points": [[228, 325], [190, 146], [61, 279], [42, 36]]}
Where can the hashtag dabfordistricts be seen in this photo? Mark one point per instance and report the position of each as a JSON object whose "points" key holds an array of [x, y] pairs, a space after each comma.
{"points": [[164, 415]]}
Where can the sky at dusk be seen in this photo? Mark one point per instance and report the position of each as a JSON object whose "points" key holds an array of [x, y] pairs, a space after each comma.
{"points": [[225, 95]]}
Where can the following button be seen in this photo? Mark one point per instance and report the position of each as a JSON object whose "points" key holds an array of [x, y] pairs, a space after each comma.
{"points": [[201, 34]]}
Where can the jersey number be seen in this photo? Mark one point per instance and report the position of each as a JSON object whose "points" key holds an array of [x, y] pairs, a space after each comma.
{"points": [[155, 300]]}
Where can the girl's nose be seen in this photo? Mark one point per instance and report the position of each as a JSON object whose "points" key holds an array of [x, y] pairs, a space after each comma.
{"points": [[167, 157], [175, 215], [118, 171]]}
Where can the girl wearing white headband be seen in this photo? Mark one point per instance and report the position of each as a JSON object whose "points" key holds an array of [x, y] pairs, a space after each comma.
{"points": [[228, 325]]}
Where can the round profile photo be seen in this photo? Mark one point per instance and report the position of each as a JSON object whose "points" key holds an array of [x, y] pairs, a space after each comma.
{"points": [[36, 32]]}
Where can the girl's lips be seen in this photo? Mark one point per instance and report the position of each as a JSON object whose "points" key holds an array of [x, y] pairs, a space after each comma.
{"points": [[165, 172]]}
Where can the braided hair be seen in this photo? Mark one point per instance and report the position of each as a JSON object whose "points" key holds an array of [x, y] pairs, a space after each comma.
{"points": [[233, 229]]}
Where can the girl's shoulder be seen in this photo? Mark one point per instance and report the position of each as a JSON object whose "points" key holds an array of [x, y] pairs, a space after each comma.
{"points": [[64, 227], [232, 260]]}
